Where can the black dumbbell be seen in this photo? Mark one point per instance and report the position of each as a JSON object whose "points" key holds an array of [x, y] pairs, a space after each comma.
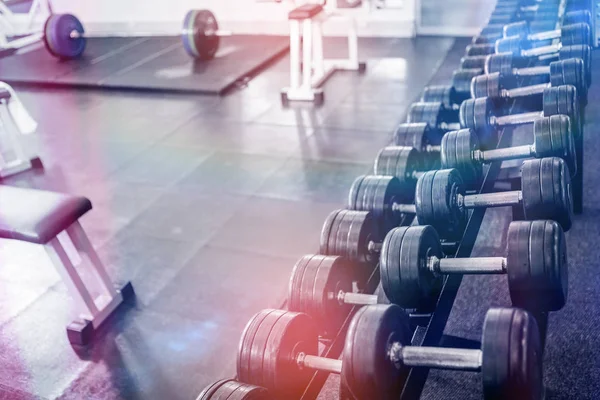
{"points": [[278, 350], [552, 138], [233, 390], [412, 264], [480, 115], [441, 202], [559, 73], [507, 62], [423, 138], [434, 114], [387, 198], [569, 35], [323, 287], [489, 34]]}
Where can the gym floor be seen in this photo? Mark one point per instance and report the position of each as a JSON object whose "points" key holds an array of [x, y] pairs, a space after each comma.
{"points": [[206, 203]]}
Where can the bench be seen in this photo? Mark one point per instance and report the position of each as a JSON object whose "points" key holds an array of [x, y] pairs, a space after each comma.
{"points": [[52, 220]]}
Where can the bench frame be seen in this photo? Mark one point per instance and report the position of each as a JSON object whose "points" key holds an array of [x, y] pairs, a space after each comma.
{"points": [[310, 70], [89, 284]]}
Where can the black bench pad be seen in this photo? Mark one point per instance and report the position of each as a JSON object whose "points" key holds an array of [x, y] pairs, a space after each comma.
{"points": [[37, 216], [306, 11]]}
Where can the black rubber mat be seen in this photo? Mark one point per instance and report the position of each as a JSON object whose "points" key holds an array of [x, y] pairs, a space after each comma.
{"points": [[156, 63]]}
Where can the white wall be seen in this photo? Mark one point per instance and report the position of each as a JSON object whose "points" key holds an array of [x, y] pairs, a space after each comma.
{"points": [[241, 16]]}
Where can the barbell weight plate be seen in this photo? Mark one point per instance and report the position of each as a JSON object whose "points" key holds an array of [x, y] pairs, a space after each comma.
{"points": [[405, 277], [273, 339], [439, 94], [579, 51], [377, 193], [563, 100], [461, 79], [475, 114], [420, 135], [512, 355], [57, 36], [294, 288], [576, 34], [367, 372], [199, 34], [488, 85], [232, 390], [546, 190], [537, 265], [457, 152]]}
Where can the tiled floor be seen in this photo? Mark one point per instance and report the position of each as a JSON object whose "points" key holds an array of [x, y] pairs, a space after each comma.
{"points": [[205, 203]]}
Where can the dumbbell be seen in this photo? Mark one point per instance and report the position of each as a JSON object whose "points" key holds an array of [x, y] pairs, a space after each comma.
{"points": [[323, 287], [569, 35], [559, 73], [441, 202], [65, 38], [423, 138], [480, 115], [232, 390], [552, 138], [278, 350], [451, 96], [388, 199], [539, 29], [507, 62], [412, 264], [434, 114]]}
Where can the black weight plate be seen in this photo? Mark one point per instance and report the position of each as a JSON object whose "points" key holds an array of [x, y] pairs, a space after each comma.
{"points": [[367, 372], [430, 113], [233, 390], [537, 265], [436, 202], [199, 34], [334, 274], [576, 34], [409, 282], [461, 79], [546, 189], [466, 143], [249, 360], [401, 162], [412, 135], [579, 51], [326, 231], [295, 285], [512, 355], [350, 234], [57, 36], [570, 72], [473, 62], [440, 94], [553, 138], [307, 284], [500, 63], [488, 85]]}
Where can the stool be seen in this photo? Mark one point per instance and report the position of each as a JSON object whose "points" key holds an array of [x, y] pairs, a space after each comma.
{"points": [[314, 68], [52, 220], [14, 122]]}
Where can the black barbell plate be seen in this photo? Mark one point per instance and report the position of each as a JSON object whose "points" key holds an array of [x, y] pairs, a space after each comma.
{"points": [[576, 34], [570, 72], [349, 233], [563, 100], [461, 79], [295, 284], [537, 265], [400, 162], [430, 113], [367, 372], [440, 94], [405, 277], [512, 355], [579, 51], [488, 85], [57, 36], [546, 190]]}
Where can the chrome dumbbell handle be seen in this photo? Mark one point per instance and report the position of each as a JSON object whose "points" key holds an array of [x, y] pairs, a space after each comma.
{"points": [[503, 154], [474, 265], [499, 199]]}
